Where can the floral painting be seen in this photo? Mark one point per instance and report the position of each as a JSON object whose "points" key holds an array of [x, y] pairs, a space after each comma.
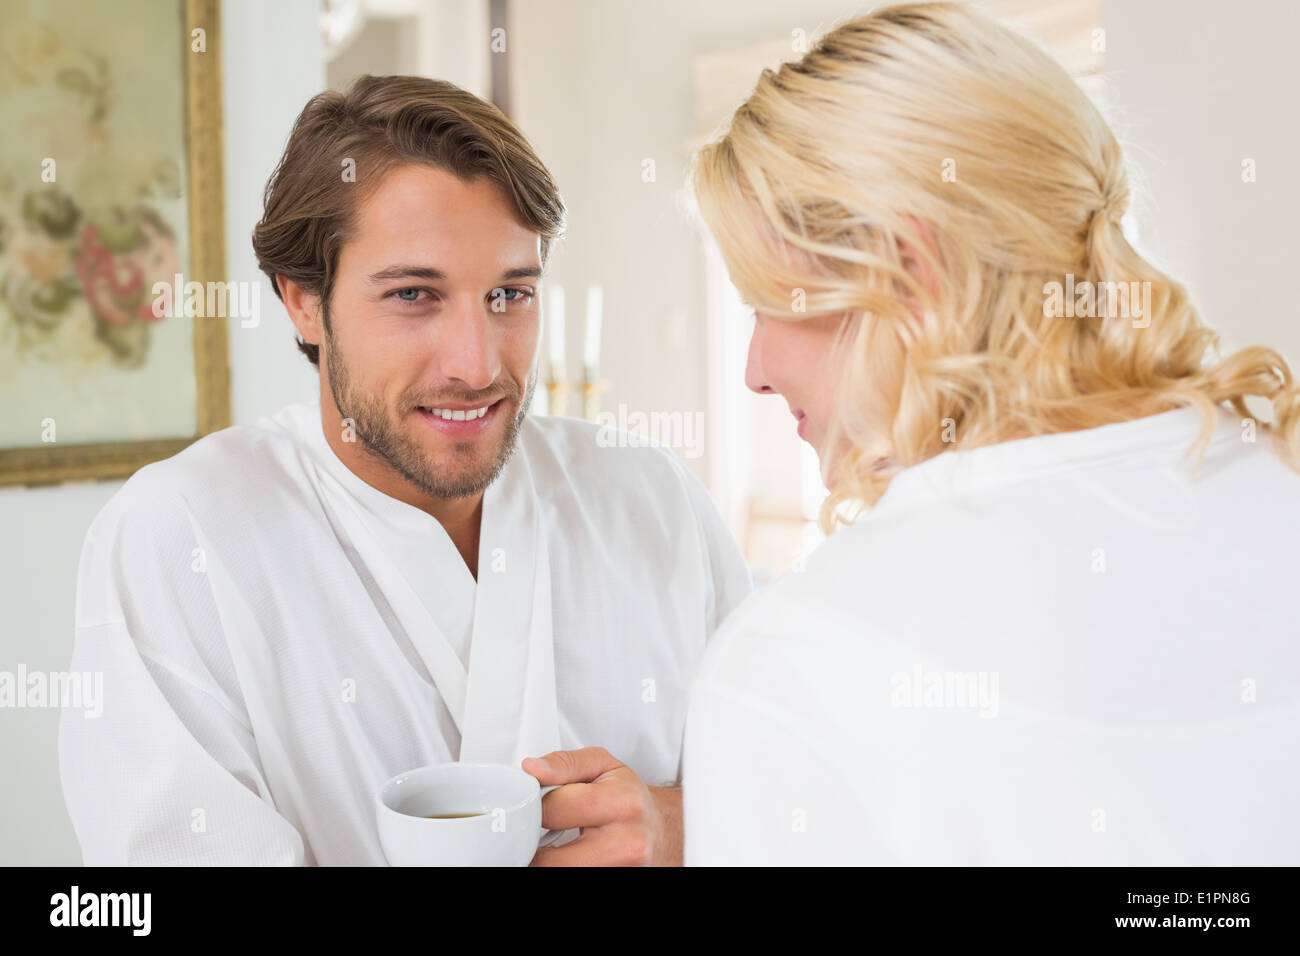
{"points": [[96, 207]]}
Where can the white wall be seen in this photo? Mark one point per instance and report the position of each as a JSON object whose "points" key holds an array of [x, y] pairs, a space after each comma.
{"points": [[1203, 84], [266, 81], [443, 39]]}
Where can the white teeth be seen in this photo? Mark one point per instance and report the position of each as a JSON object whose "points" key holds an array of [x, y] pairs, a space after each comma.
{"points": [[459, 414]]}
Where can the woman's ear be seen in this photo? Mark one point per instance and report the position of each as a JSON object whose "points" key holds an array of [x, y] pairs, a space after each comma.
{"points": [[303, 308], [915, 262]]}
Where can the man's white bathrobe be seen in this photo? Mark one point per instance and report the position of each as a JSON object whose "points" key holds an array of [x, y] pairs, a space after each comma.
{"points": [[277, 637], [1056, 651]]}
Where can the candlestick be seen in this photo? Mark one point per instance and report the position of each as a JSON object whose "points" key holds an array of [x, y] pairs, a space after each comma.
{"points": [[557, 395], [555, 320], [591, 341], [591, 390]]}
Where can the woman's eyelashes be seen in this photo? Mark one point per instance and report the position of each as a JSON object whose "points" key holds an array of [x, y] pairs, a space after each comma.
{"points": [[498, 299]]}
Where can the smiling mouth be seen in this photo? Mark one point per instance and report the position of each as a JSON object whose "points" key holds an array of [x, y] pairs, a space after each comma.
{"points": [[458, 414], [462, 421]]}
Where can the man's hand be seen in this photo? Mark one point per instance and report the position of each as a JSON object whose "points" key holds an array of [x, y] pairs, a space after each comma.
{"points": [[623, 822]]}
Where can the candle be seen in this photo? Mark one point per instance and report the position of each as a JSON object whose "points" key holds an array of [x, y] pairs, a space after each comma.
{"points": [[555, 319], [591, 342]]}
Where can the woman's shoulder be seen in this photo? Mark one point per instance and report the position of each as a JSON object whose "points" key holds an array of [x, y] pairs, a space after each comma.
{"points": [[815, 610]]}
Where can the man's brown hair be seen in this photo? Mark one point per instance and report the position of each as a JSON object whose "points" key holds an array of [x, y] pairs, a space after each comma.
{"points": [[310, 207]]}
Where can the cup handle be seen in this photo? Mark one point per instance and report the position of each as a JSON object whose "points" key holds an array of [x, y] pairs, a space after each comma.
{"points": [[550, 836]]}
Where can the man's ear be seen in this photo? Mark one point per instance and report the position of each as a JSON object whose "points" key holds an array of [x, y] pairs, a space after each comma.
{"points": [[303, 308]]}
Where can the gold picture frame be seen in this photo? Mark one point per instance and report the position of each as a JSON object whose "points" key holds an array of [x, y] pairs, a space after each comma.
{"points": [[102, 461]]}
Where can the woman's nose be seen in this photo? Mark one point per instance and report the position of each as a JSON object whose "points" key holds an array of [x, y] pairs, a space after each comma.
{"points": [[755, 380]]}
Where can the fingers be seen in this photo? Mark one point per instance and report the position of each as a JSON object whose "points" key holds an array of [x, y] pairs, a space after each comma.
{"points": [[591, 805], [539, 768], [602, 797], [571, 766], [609, 846], [581, 852]]}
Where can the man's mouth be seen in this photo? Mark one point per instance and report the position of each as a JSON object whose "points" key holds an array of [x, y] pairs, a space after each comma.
{"points": [[460, 420], [458, 414]]}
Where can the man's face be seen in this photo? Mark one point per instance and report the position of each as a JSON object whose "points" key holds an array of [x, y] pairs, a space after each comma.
{"points": [[432, 329]]}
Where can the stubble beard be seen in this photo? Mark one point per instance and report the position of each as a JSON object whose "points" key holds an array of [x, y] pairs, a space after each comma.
{"points": [[385, 440]]}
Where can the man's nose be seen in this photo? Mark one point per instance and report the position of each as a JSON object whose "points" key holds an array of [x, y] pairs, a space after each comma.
{"points": [[755, 381], [468, 346]]}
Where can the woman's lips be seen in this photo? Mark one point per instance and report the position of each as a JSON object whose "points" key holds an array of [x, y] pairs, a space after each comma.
{"points": [[802, 421]]}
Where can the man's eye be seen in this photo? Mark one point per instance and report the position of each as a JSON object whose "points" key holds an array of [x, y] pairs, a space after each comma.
{"points": [[511, 295], [407, 295]]}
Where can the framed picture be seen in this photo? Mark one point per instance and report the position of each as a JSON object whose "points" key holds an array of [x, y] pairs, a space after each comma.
{"points": [[110, 189]]}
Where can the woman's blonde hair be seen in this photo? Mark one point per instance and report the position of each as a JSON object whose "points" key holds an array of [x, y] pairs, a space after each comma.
{"points": [[931, 129]]}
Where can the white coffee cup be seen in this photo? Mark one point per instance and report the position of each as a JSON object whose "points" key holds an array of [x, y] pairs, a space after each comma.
{"points": [[504, 830]]}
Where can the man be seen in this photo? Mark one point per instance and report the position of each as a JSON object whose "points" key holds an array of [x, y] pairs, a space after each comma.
{"points": [[414, 572]]}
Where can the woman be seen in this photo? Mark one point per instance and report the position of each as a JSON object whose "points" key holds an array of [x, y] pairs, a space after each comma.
{"points": [[1040, 633]]}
